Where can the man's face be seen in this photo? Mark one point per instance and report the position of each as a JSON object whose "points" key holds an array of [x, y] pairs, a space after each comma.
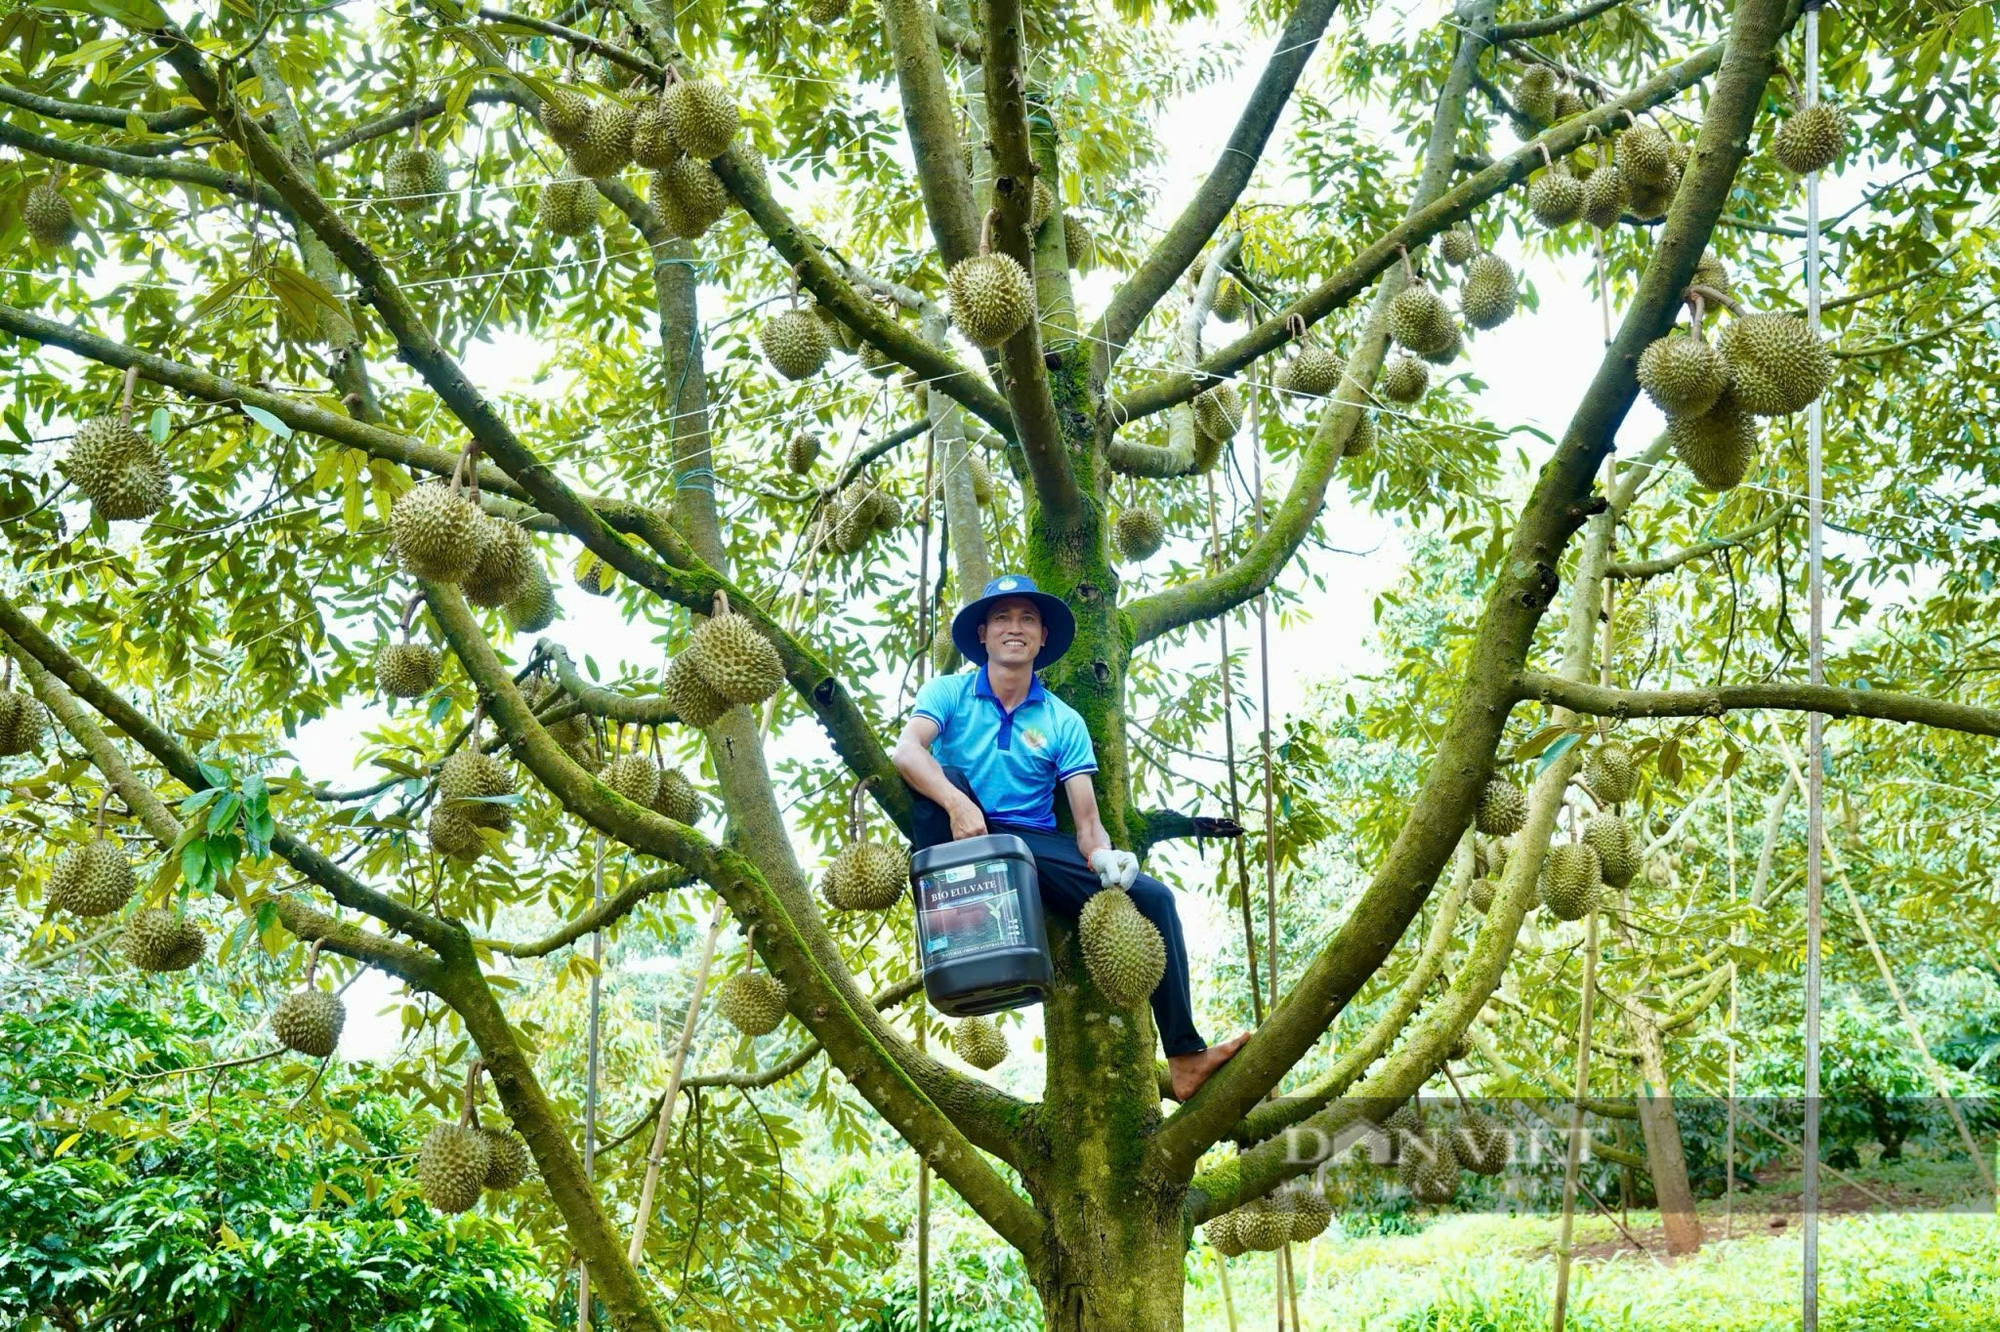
{"points": [[1013, 632]]}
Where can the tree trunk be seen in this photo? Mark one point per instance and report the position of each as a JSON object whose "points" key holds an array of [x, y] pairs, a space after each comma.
{"points": [[1666, 1161]]}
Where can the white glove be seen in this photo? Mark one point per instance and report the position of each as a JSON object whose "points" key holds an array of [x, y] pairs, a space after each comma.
{"points": [[1115, 868]]}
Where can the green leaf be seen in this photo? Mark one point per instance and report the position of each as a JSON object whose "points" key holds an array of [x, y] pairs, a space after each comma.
{"points": [[159, 424], [1556, 751], [89, 52], [268, 421]]}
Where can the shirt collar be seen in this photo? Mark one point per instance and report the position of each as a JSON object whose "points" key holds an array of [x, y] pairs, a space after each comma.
{"points": [[983, 687]]}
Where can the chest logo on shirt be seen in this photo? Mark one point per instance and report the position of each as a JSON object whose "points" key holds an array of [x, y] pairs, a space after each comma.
{"points": [[1034, 739]]}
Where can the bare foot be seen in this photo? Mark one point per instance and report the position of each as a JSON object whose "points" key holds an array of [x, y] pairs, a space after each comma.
{"points": [[1191, 1070]]}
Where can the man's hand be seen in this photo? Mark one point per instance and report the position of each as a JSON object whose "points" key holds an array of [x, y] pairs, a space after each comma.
{"points": [[966, 820], [1115, 868]]}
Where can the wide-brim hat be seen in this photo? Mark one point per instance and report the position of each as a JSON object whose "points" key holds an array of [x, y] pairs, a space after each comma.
{"points": [[1056, 618]]}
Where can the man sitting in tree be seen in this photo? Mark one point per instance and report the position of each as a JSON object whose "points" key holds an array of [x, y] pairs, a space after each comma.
{"points": [[984, 752]]}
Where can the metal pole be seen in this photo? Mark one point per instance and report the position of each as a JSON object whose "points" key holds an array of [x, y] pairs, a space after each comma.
{"points": [[1572, 1161], [1809, 1185]]}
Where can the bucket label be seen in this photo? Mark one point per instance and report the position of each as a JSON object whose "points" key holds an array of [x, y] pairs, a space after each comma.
{"points": [[969, 909]]}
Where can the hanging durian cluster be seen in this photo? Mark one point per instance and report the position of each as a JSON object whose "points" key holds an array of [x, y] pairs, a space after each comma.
{"points": [[1294, 1214], [727, 661], [458, 1162], [862, 511], [473, 790], [159, 939], [674, 135]]}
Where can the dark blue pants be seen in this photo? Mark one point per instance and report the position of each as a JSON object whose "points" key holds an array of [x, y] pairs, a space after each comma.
{"points": [[1067, 882]]}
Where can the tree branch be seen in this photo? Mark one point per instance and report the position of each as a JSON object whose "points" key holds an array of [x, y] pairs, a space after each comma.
{"points": [[932, 123], [142, 168], [582, 41], [89, 113], [599, 701], [1875, 704], [602, 916], [1643, 569], [1554, 23], [1211, 204], [408, 118]]}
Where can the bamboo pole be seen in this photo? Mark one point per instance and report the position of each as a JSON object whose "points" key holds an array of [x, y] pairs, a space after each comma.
{"points": [[583, 1319], [1736, 936], [1228, 1300], [1815, 724], [1574, 1149], [1229, 760]]}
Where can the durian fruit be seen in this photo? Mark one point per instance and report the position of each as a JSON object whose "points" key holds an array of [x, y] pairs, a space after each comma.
{"points": [[157, 939], [1458, 246], [21, 723], [944, 652], [1605, 195], [1502, 808], [568, 206], [1480, 1143], [1314, 372], [752, 1002], [795, 343], [982, 479], [876, 361], [1718, 446], [689, 197], [1420, 320], [605, 146], [1218, 411], [1404, 378], [1264, 1225], [701, 117], [738, 662], [1310, 1213], [1488, 296], [573, 732], [868, 876], [688, 692], [406, 670], [1482, 893], [1556, 197], [801, 452], [1645, 155], [1682, 374], [1776, 364], [1571, 880], [1428, 1168], [1812, 140], [118, 469], [1710, 273], [676, 798], [1617, 856], [1362, 441], [565, 115], [451, 1167], [1569, 102], [1124, 953], [633, 776], [94, 879], [1138, 533], [592, 574], [979, 1043], [653, 145], [1041, 206], [1611, 773], [507, 1159], [1447, 351], [503, 571], [1079, 246], [309, 1022], [47, 216], [1224, 1235], [822, 12], [1229, 301], [1650, 199], [1535, 94], [1207, 451], [414, 177], [453, 835], [534, 608], [469, 783], [1489, 856], [992, 298]]}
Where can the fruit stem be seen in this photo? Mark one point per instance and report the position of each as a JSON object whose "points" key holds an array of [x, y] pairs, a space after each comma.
{"points": [[1408, 275], [125, 398], [468, 1113], [721, 602], [312, 962], [854, 808], [410, 612]]}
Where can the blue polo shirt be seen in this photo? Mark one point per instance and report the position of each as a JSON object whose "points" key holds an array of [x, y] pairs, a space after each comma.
{"points": [[1014, 760]]}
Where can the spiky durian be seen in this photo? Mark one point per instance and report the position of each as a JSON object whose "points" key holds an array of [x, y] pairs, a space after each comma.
{"points": [[1502, 808], [1420, 320], [1645, 155], [992, 298], [1683, 375], [1310, 1213], [568, 206], [1225, 1235], [1571, 880], [633, 776], [1079, 246], [506, 558], [451, 1167], [118, 468], [944, 652], [22, 722], [676, 798], [309, 1022], [507, 1159], [1718, 446], [1650, 199], [868, 876], [752, 1002], [437, 532], [533, 608], [739, 663], [1122, 949], [605, 146], [1489, 295], [795, 343], [801, 452], [688, 692], [591, 574], [94, 879], [1569, 102], [453, 835], [1480, 1143], [1218, 411], [1404, 378], [1483, 892], [1812, 140], [414, 177], [689, 197], [1314, 371], [1535, 94], [1710, 273], [1776, 363], [823, 12], [1229, 300], [565, 114], [1605, 195], [979, 1043], [1263, 1225], [1041, 205], [1362, 441], [1611, 773], [982, 479], [1457, 246], [653, 145], [1138, 533], [406, 670], [702, 117], [1556, 197], [1429, 1170], [48, 217], [470, 783], [1617, 855], [157, 939]]}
